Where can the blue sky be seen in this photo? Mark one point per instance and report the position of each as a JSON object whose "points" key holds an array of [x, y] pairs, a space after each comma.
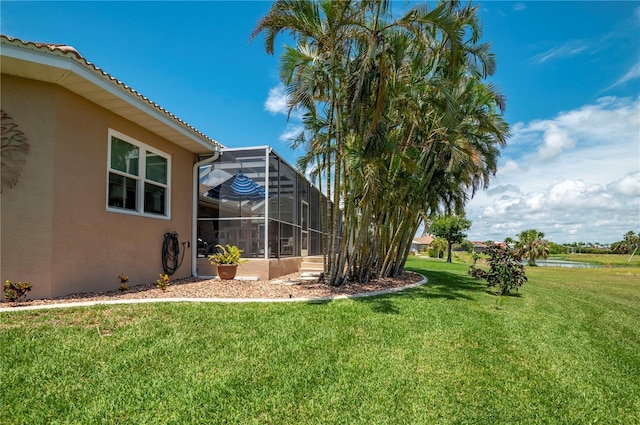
{"points": [[570, 72]]}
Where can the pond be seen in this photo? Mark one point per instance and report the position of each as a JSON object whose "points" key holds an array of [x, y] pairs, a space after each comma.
{"points": [[564, 263]]}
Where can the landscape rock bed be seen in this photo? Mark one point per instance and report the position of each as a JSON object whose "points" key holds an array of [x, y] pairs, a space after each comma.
{"points": [[289, 286]]}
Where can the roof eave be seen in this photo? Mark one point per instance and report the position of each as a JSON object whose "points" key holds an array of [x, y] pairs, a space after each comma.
{"points": [[69, 70]]}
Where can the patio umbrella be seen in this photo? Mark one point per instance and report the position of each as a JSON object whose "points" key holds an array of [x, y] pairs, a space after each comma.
{"points": [[238, 188]]}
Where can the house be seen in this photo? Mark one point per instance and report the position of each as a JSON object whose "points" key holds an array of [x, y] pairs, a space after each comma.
{"points": [[95, 176], [478, 247], [422, 244]]}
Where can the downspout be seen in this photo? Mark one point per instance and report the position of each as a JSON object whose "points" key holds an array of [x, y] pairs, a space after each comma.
{"points": [[194, 209], [267, 254]]}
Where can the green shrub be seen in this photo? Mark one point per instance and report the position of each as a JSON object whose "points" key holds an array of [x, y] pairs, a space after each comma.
{"points": [[227, 255], [14, 291], [163, 282], [123, 282], [474, 271], [506, 271]]}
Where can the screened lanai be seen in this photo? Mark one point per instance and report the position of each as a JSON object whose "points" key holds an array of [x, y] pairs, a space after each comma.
{"points": [[252, 198]]}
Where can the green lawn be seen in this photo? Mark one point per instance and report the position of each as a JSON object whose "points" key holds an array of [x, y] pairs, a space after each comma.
{"points": [[566, 350], [608, 260], [605, 260]]}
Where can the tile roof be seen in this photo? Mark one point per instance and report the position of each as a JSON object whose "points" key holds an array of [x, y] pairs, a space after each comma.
{"points": [[70, 52], [424, 240]]}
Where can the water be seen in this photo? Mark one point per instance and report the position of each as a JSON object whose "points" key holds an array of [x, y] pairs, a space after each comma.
{"points": [[564, 263]]}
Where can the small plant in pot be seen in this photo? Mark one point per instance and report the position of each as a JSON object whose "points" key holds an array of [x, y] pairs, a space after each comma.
{"points": [[227, 260]]}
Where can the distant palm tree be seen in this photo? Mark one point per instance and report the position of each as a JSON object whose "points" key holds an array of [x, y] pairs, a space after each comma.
{"points": [[532, 245], [510, 242], [633, 242], [439, 245]]}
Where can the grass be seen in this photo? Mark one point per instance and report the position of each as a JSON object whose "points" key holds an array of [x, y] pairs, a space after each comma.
{"points": [[565, 350], [607, 260]]}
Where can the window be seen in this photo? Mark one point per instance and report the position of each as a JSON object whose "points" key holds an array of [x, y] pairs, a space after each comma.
{"points": [[139, 177]]}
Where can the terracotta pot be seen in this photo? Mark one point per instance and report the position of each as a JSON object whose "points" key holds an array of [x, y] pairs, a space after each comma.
{"points": [[227, 271]]}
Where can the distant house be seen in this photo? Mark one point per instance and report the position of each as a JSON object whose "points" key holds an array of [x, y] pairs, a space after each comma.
{"points": [[95, 175], [422, 243], [478, 247]]}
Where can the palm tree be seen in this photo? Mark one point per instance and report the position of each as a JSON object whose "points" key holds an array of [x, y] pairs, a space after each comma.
{"points": [[632, 241], [398, 120], [438, 246], [532, 245]]}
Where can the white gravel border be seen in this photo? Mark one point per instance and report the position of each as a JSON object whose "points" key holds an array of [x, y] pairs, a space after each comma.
{"points": [[211, 300]]}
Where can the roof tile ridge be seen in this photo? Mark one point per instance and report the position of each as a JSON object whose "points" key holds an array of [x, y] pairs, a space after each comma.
{"points": [[63, 48]]}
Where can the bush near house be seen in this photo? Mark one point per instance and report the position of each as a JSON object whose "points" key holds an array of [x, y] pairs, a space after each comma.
{"points": [[15, 291], [164, 281]]}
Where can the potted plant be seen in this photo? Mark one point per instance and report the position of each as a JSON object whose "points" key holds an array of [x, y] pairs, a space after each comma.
{"points": [[227, 261]]}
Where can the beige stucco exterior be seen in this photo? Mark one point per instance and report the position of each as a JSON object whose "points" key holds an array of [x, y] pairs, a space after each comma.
{"points": [[55, 227], [263, 269], [56, 230]]}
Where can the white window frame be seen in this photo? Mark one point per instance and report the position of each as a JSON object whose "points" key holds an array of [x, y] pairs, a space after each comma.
{"points": [[141, 178]]}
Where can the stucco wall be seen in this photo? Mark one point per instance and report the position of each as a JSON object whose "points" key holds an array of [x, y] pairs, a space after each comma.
{"points": [[88, 246], [261, 268], [26, 209]]}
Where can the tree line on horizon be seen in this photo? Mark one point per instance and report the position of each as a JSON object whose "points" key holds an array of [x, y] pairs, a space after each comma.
{"points": [[528, 242], [400, 123], [451, 229]]}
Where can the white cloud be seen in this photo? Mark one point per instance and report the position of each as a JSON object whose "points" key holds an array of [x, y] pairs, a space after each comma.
{"points": [[624, 33], [291, 132], [277, 100], [556, 140], [575, 177], [510, 166], [278, 103], [632, 74], [605, 124], [519, 6], [628, 185], [566, 194], [501, 206], [534, 201], [570, 48], [509, 188]]}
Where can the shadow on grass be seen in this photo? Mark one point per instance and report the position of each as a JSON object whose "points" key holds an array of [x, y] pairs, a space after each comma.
{"points": [[382, 304], [496, 293], [318, 302], [440, 285]]}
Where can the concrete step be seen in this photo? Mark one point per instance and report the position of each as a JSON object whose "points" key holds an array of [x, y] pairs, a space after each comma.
{"points": [[311, 268], [309, 265], [310, 275], [314, 272], [312, 265], [314, 259]]}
